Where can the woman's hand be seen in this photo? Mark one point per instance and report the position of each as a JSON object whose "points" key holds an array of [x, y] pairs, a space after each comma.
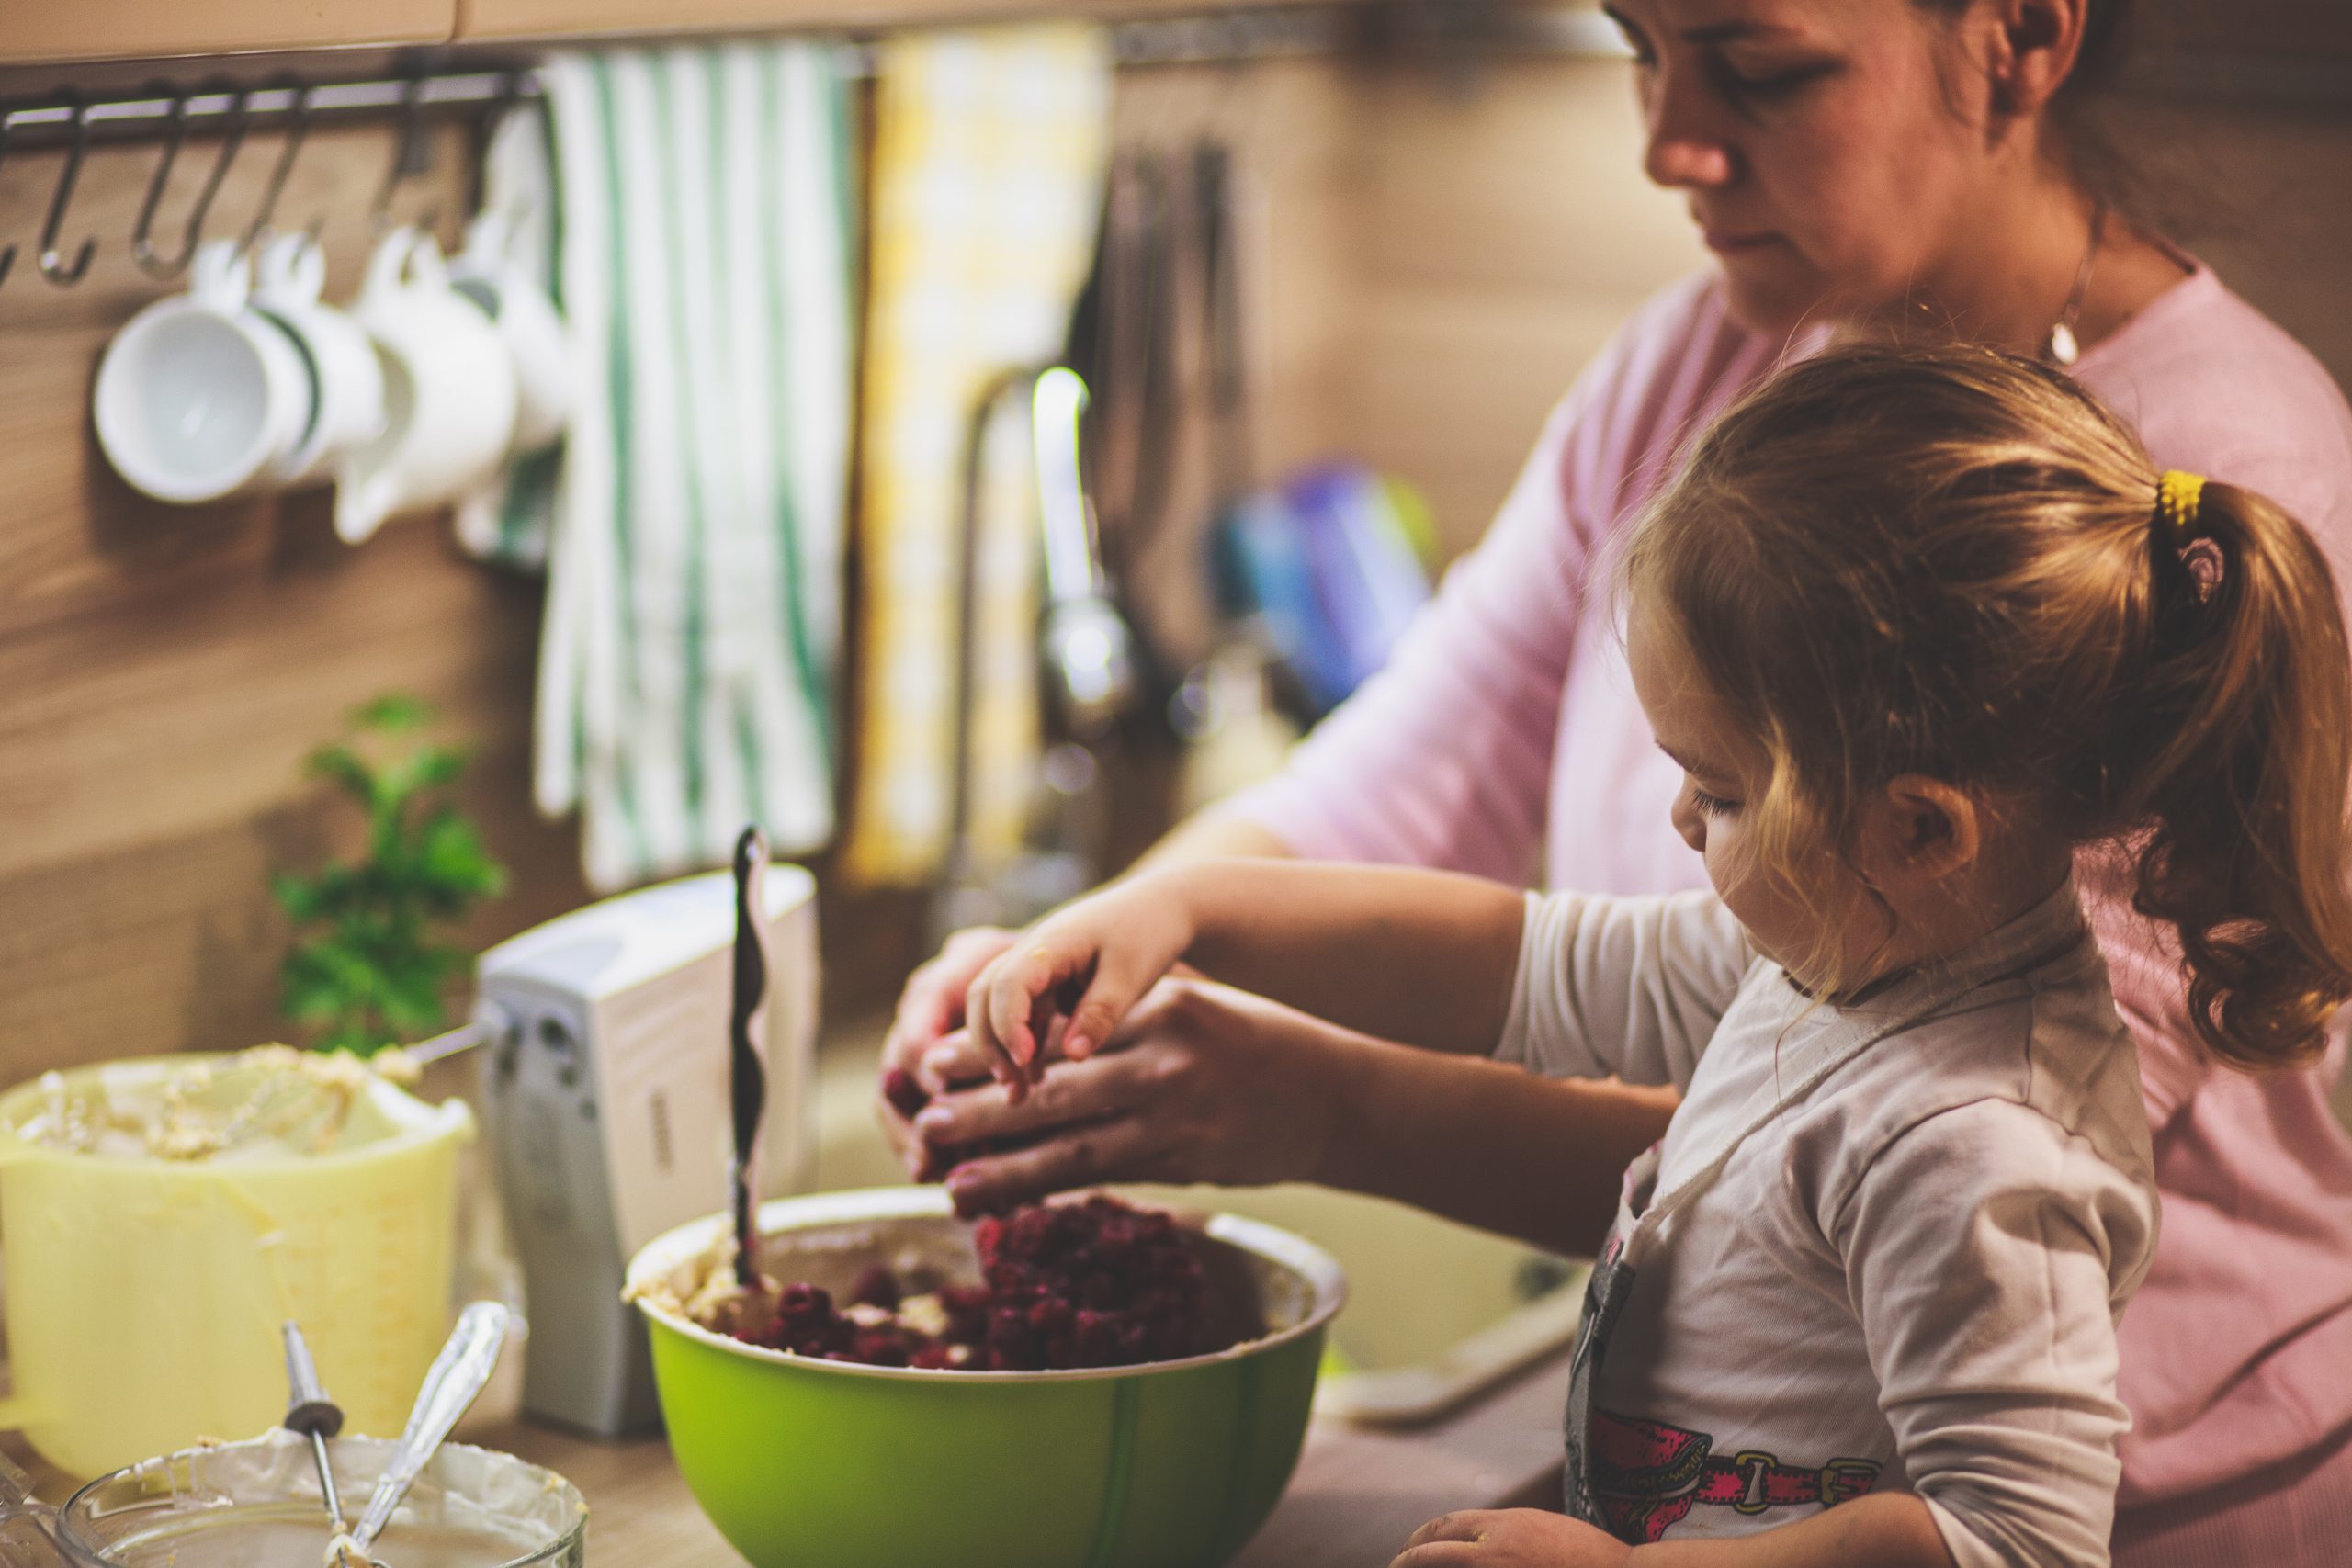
{"points": [[931, 1005], [1511, 1538], [1081, 968], [1203, 1083]]}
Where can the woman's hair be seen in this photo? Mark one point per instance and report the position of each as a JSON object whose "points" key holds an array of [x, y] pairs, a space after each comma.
{"points": [[1949, 561]]}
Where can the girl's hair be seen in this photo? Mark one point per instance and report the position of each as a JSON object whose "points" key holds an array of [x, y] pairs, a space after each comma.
{"points": [[1948, 561]]}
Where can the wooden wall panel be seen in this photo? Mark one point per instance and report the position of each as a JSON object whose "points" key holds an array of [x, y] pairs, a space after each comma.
{"points": [[1506, 232], [92, 29], [558, 18]]}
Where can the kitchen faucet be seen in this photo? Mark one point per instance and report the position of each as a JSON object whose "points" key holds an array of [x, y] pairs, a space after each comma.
{"points": [[1086, 665]]}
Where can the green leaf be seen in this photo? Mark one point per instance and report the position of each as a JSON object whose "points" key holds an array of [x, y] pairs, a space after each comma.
{"points": [[451, 863], [341, 765], [436, 767], [367, 968], [309, 992], [298, 899], [392, 712]]}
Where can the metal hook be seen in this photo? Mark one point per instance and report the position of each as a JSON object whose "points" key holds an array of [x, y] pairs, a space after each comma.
{"points": [[231, 138], [51, 262], [297, 126], [404, 155], [9, 254], [143, 244]]}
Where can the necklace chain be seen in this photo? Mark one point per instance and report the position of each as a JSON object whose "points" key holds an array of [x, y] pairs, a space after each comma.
{"points": [[2063, 347]]}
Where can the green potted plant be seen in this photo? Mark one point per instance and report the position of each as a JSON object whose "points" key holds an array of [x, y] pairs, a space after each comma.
{"points": [[368, 968]]}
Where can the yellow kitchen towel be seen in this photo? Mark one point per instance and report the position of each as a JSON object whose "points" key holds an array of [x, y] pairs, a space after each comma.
{"points": [[704, 255], [989, 157]]}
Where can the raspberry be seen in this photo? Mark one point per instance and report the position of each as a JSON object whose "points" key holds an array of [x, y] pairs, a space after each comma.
{"points": [[1089, 1284], [905, 1095], [876, 1286]]}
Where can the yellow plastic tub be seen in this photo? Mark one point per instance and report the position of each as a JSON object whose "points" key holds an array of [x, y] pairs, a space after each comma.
{"points": [[143, 1295]]}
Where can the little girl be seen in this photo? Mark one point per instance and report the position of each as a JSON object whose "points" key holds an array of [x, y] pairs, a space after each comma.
{"points": [[1920, 626]]}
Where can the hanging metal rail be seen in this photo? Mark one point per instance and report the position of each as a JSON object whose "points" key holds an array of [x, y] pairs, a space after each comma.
{"points": [[170, 114], [194, 111]]}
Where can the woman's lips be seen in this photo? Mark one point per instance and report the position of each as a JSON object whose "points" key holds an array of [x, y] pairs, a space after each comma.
{"points": [[1726, 242]]}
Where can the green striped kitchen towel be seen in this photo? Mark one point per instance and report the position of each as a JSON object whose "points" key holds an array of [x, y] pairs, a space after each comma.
{"points": [[704, 261]]}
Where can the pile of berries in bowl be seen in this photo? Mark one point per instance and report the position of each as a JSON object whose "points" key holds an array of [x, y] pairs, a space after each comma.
{"points": [[1081, 1383], [1094, 1283]]}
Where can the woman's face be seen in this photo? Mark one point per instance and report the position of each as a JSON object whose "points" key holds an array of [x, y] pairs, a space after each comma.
{"points": [[1835, 153]]}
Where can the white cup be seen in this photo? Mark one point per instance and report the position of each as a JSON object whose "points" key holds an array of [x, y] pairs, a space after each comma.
{"points": [[199, 397], [348, 405], [485, 273], [449, 390]]}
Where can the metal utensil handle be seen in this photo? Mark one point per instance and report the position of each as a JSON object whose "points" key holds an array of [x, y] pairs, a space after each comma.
{"points": [[310, 1411], [308, 1408], [458, 1373], [747, 1076]]}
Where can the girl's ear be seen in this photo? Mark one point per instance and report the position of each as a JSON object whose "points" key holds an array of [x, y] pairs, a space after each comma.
{"points": [[1923, 829]]}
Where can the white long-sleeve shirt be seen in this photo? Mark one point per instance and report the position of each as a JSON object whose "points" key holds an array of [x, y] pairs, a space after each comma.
{"points": [[1882, 1246]]}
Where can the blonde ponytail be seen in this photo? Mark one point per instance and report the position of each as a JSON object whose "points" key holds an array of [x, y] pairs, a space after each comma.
{"points": [[2243, 778], [1952, 561]]}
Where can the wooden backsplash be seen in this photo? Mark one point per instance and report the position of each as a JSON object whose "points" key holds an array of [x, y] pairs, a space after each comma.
{"points": [[164, 671], [1438, 262]]}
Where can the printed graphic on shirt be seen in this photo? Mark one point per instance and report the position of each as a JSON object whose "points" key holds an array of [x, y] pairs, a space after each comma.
{"points": [[1605, 1290], [1645, 1476]]}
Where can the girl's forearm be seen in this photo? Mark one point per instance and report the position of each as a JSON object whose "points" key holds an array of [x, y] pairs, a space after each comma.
{"points": [[1424, 957], [1890, 1529], [1483, 1143]]}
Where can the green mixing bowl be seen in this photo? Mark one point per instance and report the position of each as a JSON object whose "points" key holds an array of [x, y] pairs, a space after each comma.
{"points": [[802, 1462]]}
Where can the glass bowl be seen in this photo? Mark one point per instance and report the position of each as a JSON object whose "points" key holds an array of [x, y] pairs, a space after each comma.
{"points": [[257, 1505]]}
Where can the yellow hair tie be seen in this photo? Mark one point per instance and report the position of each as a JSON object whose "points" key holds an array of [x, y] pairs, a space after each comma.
{"points": [[2179, 495]]}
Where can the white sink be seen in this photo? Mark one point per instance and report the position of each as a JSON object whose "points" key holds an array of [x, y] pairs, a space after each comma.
{"points": [[1435, 1311]]}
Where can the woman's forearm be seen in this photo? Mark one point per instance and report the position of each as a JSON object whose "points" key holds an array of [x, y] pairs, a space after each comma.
{"points": [[1211, 835], [1485, 1142], [1423, 957]]}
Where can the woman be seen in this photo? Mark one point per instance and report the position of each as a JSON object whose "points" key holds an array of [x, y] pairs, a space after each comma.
{"points": [[1851, 163]]}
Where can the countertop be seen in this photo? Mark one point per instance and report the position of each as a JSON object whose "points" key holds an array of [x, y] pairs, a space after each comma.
{"points": [[1358, 1493]]}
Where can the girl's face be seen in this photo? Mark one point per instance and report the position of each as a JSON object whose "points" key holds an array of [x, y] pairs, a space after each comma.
{"points": [[1831, 150], [1723, 772]]}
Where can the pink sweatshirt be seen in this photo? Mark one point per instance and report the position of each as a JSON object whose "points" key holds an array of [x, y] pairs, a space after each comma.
{"points": [[1505, 723]]}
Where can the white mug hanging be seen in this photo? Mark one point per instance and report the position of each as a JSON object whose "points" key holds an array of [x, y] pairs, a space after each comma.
{"points": [[486, 273], [200, 396], [449, 390], [348, 410]]}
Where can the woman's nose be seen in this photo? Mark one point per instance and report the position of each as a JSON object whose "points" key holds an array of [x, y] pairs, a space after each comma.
{"points": [[1684, 151]]}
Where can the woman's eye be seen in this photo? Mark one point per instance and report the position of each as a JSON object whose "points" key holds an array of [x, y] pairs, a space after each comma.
{"points": [[1711, 805], [1633, 40], [1763, 87]]}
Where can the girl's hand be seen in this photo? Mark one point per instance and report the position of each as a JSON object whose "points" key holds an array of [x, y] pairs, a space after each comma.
{"points": [[1204, 1083], [1511, 1538], [931, 1005], [1081, 967]]}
